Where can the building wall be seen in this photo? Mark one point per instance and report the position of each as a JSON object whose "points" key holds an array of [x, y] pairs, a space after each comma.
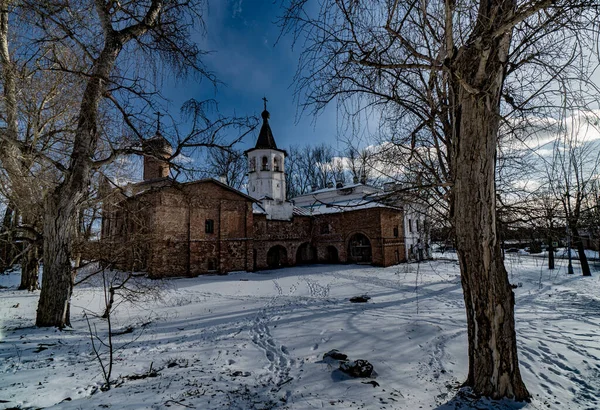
{"points": [[287, 234], [377, 224], [182, 244], [177, 241]]}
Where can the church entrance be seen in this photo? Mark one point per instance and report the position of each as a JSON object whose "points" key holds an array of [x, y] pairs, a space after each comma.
{"points": [[306, 254], [277, 257], [359, 249]]}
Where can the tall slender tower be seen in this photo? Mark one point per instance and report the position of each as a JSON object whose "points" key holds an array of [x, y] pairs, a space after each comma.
{"points": [[156, 150], [266, 172]]}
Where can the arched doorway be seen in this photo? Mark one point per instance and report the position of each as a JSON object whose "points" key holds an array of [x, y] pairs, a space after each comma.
{"points": [[277, 257], [331, 254], [359, 249], [306, 254]]}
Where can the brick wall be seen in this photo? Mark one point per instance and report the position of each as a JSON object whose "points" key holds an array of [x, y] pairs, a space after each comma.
{"points": [[205, 227]]}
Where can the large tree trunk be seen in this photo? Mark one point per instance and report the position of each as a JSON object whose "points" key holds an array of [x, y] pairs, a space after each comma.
{"points": [[477, 83], [489, 300], [8, 245], [585, 266], [30, 265], [57, 283], [61, 206], [550, 254], [30, 260]]}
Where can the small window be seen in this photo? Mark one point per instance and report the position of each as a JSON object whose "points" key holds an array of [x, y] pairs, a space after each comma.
{"points": [[209, 226], [265, 164], [418, 230], [276, 164], [211, 265], [325, 229], [252, 164], [395, 231], [409, 225]]}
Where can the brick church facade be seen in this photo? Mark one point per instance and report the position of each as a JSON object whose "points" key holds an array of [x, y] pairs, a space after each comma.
{"points": [[168, 228]]}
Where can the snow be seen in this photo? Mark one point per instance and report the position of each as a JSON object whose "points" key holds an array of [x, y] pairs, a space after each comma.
{"points": [[256, 341]]}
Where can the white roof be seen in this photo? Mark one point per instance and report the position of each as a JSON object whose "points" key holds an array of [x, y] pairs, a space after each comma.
{"points": [[335, 195], [319, 208], [258, 209]]}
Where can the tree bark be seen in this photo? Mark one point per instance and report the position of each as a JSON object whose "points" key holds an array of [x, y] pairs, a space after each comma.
{"points": [[478, 74], [30, 265], [57, 285], [585, 266], [550, 254], [8, 246]]}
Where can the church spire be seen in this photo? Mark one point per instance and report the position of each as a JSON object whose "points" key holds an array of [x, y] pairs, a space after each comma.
{"points": [[265, 136]]}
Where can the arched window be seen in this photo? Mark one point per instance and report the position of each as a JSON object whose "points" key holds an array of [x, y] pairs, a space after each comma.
{"points": [[265, 164], [252, 164], [276, 164]]}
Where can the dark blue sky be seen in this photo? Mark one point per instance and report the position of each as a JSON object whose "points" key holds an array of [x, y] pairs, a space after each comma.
{"points": [[242, 35]]}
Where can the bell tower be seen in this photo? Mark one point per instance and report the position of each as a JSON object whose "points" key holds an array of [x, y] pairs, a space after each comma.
{"points": [[157, 151], [266, 172], [266, 164]]}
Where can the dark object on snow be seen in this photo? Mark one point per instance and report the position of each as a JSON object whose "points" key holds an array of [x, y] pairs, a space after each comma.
{"points": [[128, 329], [360, 299], [43, 346], [357, 368], [372, 383], [335, 354]]}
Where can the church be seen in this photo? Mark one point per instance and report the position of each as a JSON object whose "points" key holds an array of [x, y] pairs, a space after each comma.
{"points": [[168, 228]]}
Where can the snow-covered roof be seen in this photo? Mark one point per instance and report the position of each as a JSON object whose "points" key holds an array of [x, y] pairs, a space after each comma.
{"points": [[301, 211], [320, 208], [332, 189], [258, 209], [334, 195]]}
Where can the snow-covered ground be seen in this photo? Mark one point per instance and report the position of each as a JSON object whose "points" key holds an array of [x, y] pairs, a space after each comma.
{"points": [[256, 341]]}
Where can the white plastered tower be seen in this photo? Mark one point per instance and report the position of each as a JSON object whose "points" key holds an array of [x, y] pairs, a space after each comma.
{"points": [[266, 173]]}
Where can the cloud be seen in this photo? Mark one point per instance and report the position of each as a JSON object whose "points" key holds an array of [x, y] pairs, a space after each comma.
{"points": [[236, 8], [182, 159]]}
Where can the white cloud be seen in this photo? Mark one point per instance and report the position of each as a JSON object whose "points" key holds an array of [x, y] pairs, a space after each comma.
{"points": [[236, 8], [183, 159]]}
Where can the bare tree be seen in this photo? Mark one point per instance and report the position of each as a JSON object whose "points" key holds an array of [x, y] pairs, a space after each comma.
{"points": [[105, 36], [296, 182], [229, 165], [436, 71], [38, 108], [360, 164], [575, 166]]}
